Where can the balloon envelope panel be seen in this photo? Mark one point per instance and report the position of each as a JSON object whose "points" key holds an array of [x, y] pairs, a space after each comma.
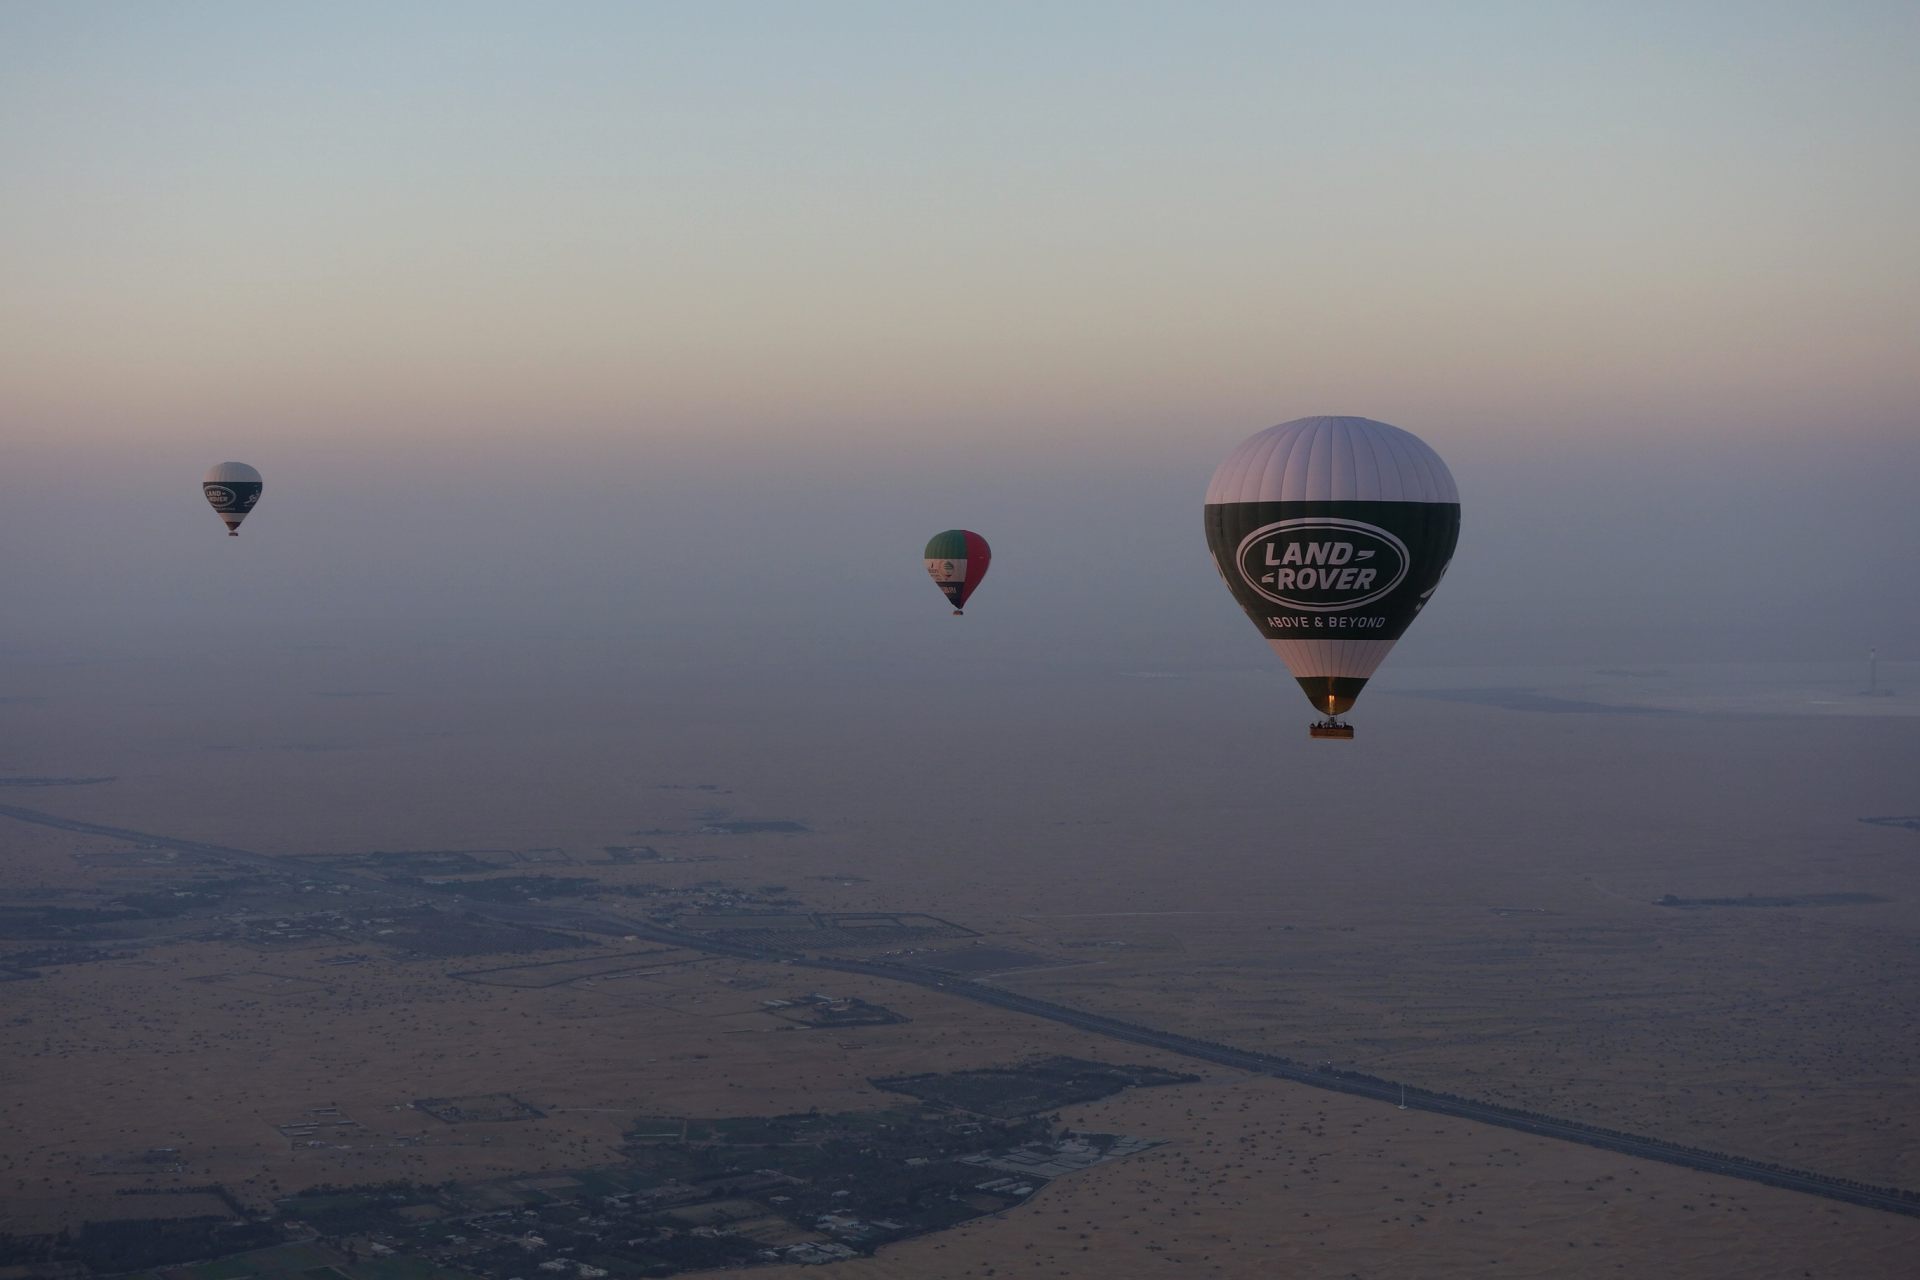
{"points": [[956, 561], [232, 489], [1332, 533]]}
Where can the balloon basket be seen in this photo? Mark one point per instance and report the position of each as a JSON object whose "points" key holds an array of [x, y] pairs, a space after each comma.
{"points": [[1331, 728]]}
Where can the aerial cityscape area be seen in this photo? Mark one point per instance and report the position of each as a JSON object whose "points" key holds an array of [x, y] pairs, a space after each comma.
{"points": [[775, 1020], [862, 642]]}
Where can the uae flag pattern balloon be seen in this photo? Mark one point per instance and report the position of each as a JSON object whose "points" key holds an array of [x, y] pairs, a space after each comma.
{"points": [[231, 488], [956, 561], [1332, 533]]}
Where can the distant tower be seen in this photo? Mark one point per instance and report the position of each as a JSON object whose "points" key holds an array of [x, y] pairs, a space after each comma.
{"points": [[1873, 689]]}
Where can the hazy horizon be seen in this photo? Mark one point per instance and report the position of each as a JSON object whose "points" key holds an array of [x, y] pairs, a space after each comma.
{"points": [[632, 318]]}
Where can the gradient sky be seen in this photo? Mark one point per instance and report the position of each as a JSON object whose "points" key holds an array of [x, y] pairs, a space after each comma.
{"points": [[481, 274]]}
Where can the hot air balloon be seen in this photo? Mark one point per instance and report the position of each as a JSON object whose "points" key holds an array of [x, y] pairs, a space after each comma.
{"points": [[1332, 533], [956, 561], [232, 488]]}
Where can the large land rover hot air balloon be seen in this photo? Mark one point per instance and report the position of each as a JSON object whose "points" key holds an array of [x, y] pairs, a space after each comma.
{"points": [[956, 561], [1332, 533], [231, 488]]}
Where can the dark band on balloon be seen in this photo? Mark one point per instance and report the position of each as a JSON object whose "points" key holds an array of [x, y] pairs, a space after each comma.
{"points": [[232, 495], [1323, 570]]}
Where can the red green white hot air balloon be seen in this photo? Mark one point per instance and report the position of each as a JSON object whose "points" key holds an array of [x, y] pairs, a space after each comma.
{"points": [[1332, 533], [956, 561], [231, 489]]}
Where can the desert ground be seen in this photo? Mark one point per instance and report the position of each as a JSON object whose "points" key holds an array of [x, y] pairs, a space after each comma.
{"points": [[1465, 898]]}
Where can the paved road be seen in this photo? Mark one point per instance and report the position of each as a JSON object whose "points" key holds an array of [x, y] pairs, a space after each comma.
{"points": [[588, 920]]}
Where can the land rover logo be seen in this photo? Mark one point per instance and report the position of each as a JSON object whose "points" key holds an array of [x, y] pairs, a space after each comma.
{"points": [[1322, 565], [219, 495]]}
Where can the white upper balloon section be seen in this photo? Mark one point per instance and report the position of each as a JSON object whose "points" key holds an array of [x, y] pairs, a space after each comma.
{"points": [[1333, 460], [231, 473]]}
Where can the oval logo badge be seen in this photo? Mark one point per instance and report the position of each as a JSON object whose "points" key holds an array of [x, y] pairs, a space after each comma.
{"points": [[1322, 565], [219, 495]]}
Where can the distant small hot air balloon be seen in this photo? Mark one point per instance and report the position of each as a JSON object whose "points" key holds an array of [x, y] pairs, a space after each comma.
{"points": [[1332, 533], [956, 561], [232, 488]]}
